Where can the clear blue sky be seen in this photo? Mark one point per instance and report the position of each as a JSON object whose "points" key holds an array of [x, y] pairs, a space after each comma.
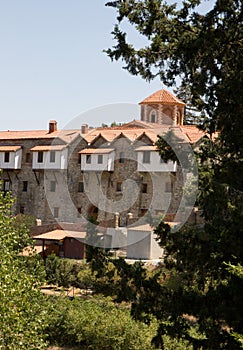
{"points": [[52, 65]]}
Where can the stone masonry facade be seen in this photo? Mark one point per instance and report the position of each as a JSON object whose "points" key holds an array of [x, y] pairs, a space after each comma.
{"points": [[71, 194]]}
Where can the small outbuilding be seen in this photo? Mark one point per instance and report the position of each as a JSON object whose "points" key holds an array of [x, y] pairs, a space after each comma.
{"points": [[65, 244], [141, 243]]}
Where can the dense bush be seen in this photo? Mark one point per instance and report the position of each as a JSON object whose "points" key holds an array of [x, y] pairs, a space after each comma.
{"points": [[96, 324], [62, 272]]}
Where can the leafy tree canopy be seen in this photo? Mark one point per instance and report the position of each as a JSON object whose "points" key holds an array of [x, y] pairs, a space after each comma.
{"points": [[205, 51], [22, 312]]}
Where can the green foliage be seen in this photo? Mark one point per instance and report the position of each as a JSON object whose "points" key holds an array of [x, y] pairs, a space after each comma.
{"points": [[22, 312], [192, 115], [205, 51], [27, 220], [62, 272], [96, 324]]}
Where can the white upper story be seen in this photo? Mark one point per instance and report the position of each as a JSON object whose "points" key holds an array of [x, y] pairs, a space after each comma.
{"points": [[149, 160], [50, 157], [97, 159], [10, 157]]}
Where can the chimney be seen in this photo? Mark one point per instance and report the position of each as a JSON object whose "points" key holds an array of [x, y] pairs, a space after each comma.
{"points": [[52, 126], [84, 128]]}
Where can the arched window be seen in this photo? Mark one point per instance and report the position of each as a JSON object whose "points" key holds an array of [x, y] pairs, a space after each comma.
{"points": [[153, 117]]}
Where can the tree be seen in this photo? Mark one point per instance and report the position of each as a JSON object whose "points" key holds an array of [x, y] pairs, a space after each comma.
{"points": [[22, 311], [192, 115], [205, 51]]}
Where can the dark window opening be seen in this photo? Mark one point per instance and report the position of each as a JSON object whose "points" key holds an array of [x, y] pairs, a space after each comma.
{"points": [[119, 187], [143, 212], [79, 158], [144, 188], [168, 187], [146, 157], [25, 186], [6, 157], [88, 159], [28, 158], [22, 209], [122, 157], [56, 212], [53, 186], [80, 187], [40, 157], [153, 118], [52, 157], [100, 158]]}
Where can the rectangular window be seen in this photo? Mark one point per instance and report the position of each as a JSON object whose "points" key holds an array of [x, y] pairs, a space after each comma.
{"points": [[168, 187], [53, 186], [81, 187], [40, 157], [144, 188], [88, 158], [100, 158], [121, 157], [56, 212], [79, 210], [6, 157], [118, 187], [28, 158], [52, 157], [25, 186], [79, 158], [21, 209], [146, 157]]}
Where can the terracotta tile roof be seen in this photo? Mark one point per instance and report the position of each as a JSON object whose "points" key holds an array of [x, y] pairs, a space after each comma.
{"points": [[163, 97], [9, 148], [111, 134], [188, 133], [64, 135], [48, 148], [192, 132], [58, 235], [96, 150]]}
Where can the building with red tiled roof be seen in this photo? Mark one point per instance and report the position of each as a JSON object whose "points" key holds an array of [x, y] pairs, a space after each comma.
{"points": [[162, 107], [69, 175], [162, 97]]}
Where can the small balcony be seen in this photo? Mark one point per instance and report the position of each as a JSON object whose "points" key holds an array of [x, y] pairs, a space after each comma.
{"points": [[149, 160], [10, 157], [97, 159], [50, 157]]}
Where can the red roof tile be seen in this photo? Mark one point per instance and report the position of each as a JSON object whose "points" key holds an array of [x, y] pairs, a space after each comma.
{"points": [[64, 135], [96, 150], [163, 97], [58, 235]]}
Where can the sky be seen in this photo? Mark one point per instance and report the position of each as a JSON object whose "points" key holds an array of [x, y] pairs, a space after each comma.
{"points": [[52, 66]]}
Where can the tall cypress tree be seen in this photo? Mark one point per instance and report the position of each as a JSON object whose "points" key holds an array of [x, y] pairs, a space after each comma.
{"points": [[202, 299]]}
